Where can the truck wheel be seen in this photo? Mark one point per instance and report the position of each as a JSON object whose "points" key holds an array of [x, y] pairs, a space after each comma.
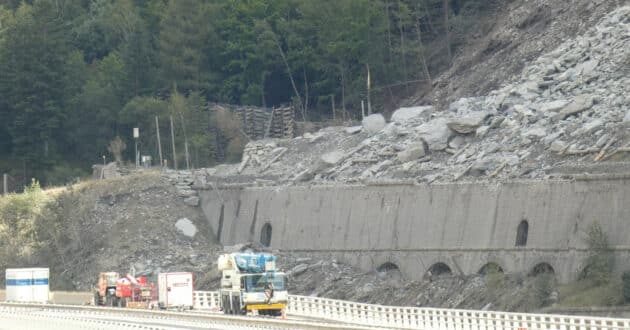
{"points": [[226, 305], [96, 301], [236, 306]]}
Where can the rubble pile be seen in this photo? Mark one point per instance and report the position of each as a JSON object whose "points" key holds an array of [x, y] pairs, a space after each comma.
{"points": [[134, 223], [570, 108]]}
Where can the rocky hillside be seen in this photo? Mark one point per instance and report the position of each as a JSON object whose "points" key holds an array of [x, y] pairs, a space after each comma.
{"points": [[568, 112], [516, 34], [137, 222]]}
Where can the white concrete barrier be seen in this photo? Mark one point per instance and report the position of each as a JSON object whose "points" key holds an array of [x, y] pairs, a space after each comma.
{"points": [[428, 318]]}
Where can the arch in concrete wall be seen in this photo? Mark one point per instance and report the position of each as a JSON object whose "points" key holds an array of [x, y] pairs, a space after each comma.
{"points": [[389, 270], [542, 268], [438, 269], [387, 266], [490, 267], [265, 234], [521, 233]]}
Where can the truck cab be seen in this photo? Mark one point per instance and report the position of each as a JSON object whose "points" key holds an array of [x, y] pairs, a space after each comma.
{"points": [[105, 293], [250, 282]]}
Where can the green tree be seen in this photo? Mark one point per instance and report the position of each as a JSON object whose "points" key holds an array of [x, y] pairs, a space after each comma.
{"points": [[36, 79]]}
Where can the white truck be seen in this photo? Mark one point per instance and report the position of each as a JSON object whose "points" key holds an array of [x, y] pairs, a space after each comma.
{"points": [[175, 290], [250, 282]]}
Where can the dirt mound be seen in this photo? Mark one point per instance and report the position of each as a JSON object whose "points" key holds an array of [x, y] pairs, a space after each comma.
{"points": [[125, 224]]}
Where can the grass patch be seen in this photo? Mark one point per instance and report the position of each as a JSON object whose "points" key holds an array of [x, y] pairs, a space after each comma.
{"points": [[587, 293]]}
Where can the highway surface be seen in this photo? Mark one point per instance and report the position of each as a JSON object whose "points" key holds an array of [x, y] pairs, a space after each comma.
{"points": [[53, 317]]}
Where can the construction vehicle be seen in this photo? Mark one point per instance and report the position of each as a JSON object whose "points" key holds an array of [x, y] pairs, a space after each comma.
{"points": [[105, 293], [250, 282], [128, 291]]}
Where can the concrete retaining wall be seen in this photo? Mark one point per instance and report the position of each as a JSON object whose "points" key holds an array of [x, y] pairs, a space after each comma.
{"points": [[462, 225]]}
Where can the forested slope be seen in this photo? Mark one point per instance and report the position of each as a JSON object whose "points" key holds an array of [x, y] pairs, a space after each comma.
{"points": [[76, 74]]}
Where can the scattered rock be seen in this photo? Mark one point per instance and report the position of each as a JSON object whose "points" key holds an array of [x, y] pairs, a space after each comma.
{"points": [[298, 270], [553, 106], [468, 124], [558, 146], [435, 133], [579, 104], [332, 158], [373, 123], [353, 129], [403, 115], [186, 227], [413, 152]]}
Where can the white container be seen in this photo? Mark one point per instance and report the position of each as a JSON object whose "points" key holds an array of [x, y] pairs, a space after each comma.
{"points": [[175, 290], [27, 285]]}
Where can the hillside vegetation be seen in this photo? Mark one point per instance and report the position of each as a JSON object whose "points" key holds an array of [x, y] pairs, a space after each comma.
{"points": [[76, 74]]}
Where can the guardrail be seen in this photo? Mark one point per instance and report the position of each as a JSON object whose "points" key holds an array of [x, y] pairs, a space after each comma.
{"points": [[428, 318], [206, 300], [117, 318]]}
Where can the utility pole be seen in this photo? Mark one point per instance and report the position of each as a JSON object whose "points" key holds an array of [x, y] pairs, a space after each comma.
{"points": [[173, 142], [369, 103], [332, 101], [362, 109], [5, 184], [136, 135], [157, 130]]}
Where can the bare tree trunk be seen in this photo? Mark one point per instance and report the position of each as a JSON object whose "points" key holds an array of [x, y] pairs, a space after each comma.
{"points": [[402, 48], [181, 118], [369, 102], [305, 92], [263, 76], [427, 14], [425, 68], [286, 64], [332, 102], [343, 92], [173, 143], [157, 132], [447, 32], [389, 32]]}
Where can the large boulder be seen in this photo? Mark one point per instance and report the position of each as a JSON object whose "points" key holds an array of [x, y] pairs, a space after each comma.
{"points": [[579, 104], [186, 227], [552, 106], [373, 123], [402, 115], [435, 133], [412, 152], [333, 158], [468, 124]]}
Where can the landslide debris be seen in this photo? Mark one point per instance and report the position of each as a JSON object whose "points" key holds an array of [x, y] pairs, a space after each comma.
{"points": [[136, 222], [570, 106]]}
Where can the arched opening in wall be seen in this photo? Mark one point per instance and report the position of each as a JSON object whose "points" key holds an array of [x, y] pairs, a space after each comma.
{"points": [[265, 234], [521, 233], [490, 268], [542, 268], [389, 270], [438, 269]]}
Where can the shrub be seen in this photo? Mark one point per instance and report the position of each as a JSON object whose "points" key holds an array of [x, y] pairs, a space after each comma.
{"points": [[625, 278], [600, 260]]}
